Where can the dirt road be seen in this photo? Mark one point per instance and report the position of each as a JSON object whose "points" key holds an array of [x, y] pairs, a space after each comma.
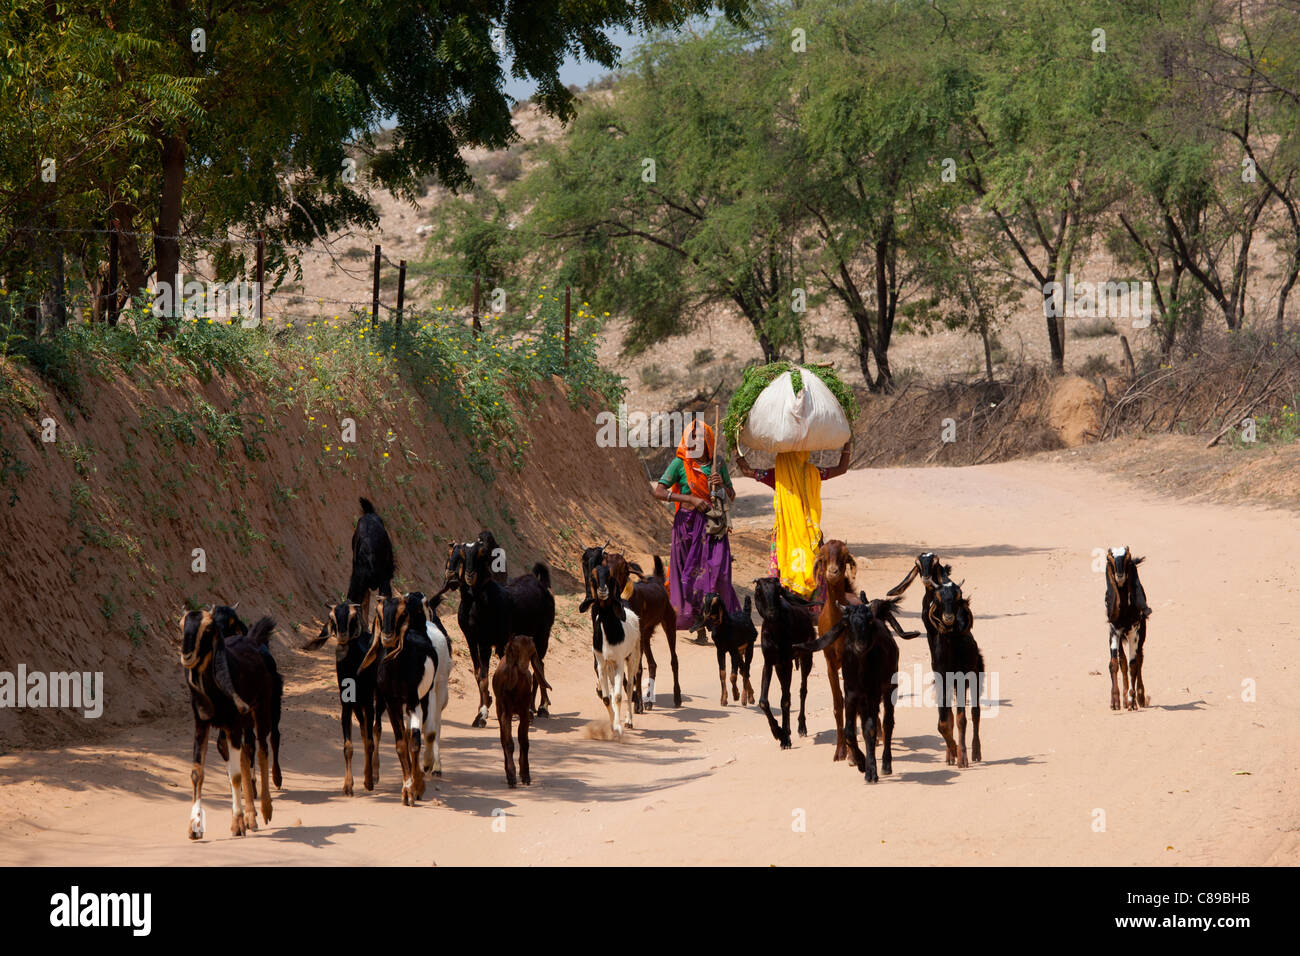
{"points": [[1202, 776]]}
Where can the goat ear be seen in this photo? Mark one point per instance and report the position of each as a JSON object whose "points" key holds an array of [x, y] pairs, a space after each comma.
{"points": [[862, 595]]}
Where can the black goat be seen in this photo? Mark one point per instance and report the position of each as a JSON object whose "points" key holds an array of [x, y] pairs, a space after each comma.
{"points": [[958, 668], [408, 664], [733, 635], [1127, 612], [870, 667], [234, 686], [498, 612], [356, 687], [372, 560], [932, 573], [787, 622]]}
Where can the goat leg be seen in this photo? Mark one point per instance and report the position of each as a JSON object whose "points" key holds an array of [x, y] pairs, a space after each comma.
{"points": [[347, 752], [670, 632], [837, 701], [246, 772], [403, 752], [887, 758], [1125, 689], [263, 764], [376, 733], [945, 730], [1139, 689], [805, 665], [722, 674], [646, 701], [481, 669], [1114, 674], [234, 762], [851, 718], [782, 737], [746, 660], [962, 761], [870, 730], [524, 776], [198, 821], [507, 744]]}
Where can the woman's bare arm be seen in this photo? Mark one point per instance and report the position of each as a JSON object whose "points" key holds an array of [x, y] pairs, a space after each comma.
{"points": [[843, 464], [663, 493]]}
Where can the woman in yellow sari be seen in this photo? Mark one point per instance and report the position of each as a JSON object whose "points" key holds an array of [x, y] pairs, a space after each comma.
{"points": [[797, 503]]}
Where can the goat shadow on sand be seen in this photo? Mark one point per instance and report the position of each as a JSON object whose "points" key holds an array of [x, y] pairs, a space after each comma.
{"points": [[317, 837]]}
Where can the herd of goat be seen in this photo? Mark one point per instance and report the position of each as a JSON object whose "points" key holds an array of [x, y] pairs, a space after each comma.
{"points": [[399, 658]]}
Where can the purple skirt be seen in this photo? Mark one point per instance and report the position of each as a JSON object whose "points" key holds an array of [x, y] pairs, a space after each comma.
{"points": [[698, 564]]}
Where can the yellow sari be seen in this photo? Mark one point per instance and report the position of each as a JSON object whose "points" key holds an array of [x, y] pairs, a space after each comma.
{"points": [[798, 506]]}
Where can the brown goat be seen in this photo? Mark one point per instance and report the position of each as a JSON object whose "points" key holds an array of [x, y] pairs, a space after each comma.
{"points": [[649, 601], [513, 684], [835, 572]]}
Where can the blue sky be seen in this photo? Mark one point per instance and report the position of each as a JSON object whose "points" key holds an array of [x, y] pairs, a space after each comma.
{"points": [[574, 71]]}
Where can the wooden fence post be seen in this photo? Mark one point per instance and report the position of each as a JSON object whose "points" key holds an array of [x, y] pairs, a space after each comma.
{"points": [[374, 292], [478, 327], [401, 290]]}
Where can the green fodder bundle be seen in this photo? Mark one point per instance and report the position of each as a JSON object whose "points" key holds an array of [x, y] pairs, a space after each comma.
{"points": [[759, 377]]}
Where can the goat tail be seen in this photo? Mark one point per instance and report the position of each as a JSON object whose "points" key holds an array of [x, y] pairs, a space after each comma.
{"points": [[659, 567], [260, 633], [366, 507], [538, 669], [543, 574]]}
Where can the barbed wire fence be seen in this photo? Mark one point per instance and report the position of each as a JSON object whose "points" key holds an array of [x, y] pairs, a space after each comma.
{"points": [[105, 296]]}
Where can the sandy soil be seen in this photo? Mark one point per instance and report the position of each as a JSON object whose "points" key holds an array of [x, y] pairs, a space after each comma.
{"points": [[1200, 777]]}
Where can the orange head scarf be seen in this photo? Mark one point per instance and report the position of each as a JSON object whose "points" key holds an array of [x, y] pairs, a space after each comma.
{"points": [[695, 477]]}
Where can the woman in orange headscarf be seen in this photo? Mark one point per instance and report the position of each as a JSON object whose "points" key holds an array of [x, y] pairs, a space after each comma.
{"points": [[699, 563]]}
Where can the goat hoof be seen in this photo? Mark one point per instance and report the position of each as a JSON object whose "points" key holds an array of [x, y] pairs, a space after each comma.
{"points": [[511, 782], [526, 780], [347, 789], [872, 777], [544, 712], [237, 826], [677, 698], [887, 769], [785, 743], [250, 821]]}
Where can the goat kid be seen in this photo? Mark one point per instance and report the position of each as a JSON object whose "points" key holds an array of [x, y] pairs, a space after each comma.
{"points": [[733, 635], [869, 655], [648, 599], [616, 645], [514, 689], [1127, 613], [356, 687], [958, 669], [786, 624], [234, 686], [835, 572], [407, 665]]}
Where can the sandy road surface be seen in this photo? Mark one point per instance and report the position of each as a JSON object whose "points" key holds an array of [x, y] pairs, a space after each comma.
{"points": [[1201, 777]]}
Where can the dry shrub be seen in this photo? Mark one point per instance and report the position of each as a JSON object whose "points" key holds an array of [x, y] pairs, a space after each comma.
{"points": [[1231, 376], [992, 422]]}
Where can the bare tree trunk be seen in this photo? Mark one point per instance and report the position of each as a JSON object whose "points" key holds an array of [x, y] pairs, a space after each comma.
{"points": [[167, 247]]}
